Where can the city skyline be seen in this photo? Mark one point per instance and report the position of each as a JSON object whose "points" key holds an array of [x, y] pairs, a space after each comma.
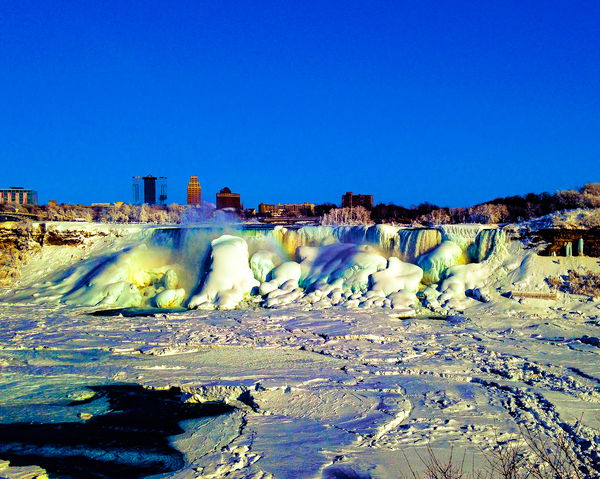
{"points": [[450, 104], [142, 194]]}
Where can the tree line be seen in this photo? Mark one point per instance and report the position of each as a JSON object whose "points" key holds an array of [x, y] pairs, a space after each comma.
{"points": [[509, 209]]}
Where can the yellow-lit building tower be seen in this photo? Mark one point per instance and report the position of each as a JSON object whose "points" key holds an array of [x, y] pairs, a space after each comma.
{"points": [[194, 192]]}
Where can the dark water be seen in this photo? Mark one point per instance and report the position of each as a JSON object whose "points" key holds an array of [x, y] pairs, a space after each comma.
{"points": [[128, 441], [135, 312]]}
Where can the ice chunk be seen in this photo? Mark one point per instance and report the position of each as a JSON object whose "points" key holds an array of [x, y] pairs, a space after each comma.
{"points": [[290, 270], [460, 278], [282, 297], [287, 273], [229, 278], [397, 276], [262, 263], [349, 263], [170, 298], [170, 279], [122, 294], [403, 300]]}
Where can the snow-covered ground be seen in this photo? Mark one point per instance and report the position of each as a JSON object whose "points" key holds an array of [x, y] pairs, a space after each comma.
{"points": [[321, 388]]}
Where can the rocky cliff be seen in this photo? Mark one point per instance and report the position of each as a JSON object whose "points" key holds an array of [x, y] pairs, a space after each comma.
{"points": [[20, 241]]}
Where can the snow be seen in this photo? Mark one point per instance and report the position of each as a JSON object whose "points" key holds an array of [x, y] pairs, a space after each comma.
{"points": [[339, 359], [354, 388]]}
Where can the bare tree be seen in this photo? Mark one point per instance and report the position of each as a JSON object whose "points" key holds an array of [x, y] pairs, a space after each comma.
{"points": [[347, 216]]}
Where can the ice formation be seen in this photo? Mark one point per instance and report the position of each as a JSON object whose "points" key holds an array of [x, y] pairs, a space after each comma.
{"points": [[460, 278], [416, 242], [350, 266], [229, 278], [170, 298], [463, 235], [262, 263], [486, 242], [349, 263], [438, 260], [396, 277]]}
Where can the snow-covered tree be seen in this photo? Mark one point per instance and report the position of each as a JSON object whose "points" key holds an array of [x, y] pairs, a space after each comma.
{"points": [[347, 216]]}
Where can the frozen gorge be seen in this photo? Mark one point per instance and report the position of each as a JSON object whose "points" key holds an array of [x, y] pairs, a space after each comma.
{"points": [[340, 351]]}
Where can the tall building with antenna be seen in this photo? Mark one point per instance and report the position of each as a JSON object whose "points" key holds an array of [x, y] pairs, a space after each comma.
{"points": [[148, 185], [194, 192]]}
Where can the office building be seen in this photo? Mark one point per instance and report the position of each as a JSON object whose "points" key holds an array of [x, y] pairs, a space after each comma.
{"points": [[227, 199], [149, 189], [350, 200], [194, 192], [18, 195]]}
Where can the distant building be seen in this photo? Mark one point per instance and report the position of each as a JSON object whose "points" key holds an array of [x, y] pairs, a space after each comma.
{"points": [[227, 199], [18, 195], [350, 200], [265, 209], [149, 188], [303, 209], [280, 209], [194, 192]]}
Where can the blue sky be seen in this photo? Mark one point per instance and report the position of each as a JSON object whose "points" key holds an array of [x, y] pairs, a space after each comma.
{"points": [[447, 102]]}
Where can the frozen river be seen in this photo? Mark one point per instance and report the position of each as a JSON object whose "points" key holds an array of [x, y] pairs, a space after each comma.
{"points": [[315, 393]]}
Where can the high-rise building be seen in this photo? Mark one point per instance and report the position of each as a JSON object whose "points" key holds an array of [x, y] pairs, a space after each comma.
{"points": [[194, 192], [162, 185], [227, 199], [135, 189], [18, 195], [149, 188], [350, 200]]}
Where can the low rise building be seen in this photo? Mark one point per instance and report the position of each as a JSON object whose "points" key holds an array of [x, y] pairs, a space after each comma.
{"points": [[282, 209], [266, 209], [18, 195], [303, 209]]}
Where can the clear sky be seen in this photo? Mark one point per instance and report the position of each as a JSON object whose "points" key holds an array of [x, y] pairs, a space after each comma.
{"points": [[291, 101]]}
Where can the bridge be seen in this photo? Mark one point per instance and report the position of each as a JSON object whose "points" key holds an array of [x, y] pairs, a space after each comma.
{"points": [[14, 216]]}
